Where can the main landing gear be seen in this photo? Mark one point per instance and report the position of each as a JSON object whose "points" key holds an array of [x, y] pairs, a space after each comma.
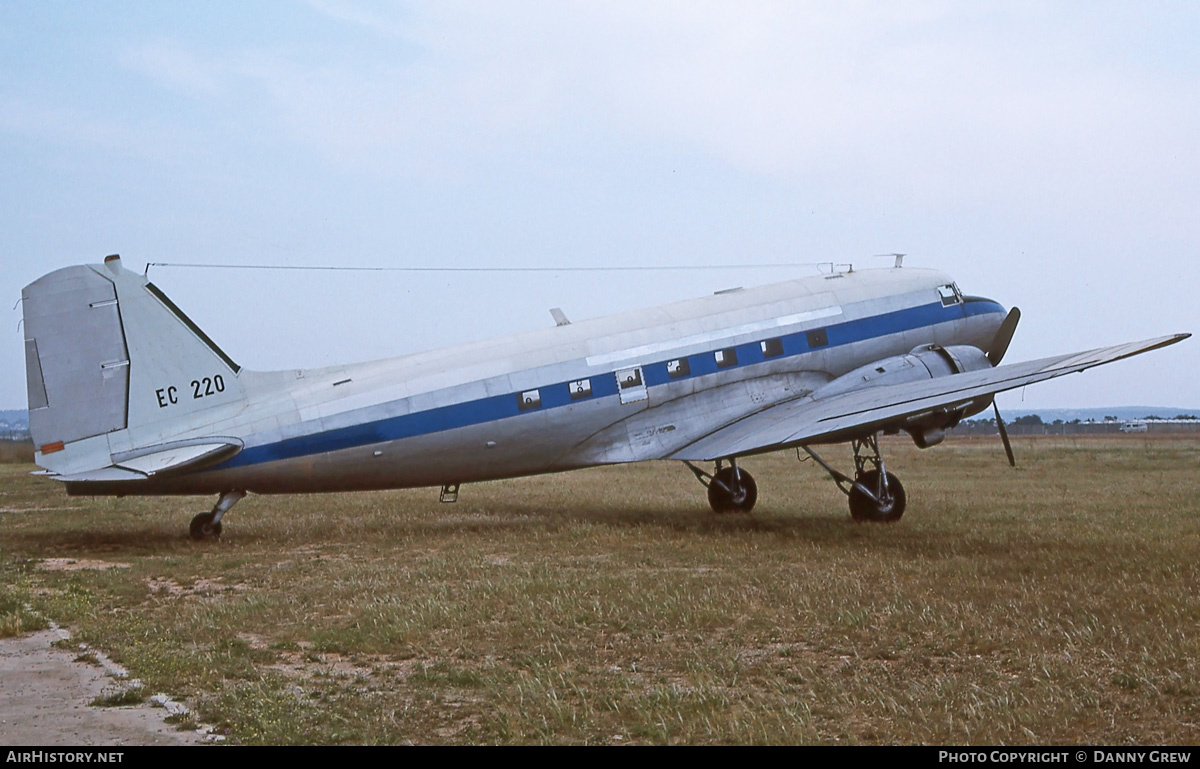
{"points": [[730, 489], [208, 525], [875, 494]]}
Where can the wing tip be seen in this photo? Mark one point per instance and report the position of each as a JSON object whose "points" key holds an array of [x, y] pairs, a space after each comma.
{"points": [[1166, 341]]}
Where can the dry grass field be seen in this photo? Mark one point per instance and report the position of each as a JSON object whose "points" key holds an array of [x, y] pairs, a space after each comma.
{"points": [[16, 451], [1054, 603]]}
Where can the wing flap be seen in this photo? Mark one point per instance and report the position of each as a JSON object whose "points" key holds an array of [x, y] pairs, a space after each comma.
{"points": [[865, 411]]}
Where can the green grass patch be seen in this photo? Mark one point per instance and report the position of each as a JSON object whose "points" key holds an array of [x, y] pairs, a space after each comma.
{"points": [[15, 616], [120, 695]]}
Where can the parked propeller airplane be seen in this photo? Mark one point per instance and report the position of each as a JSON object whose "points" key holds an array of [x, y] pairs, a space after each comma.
{"points": [[128, 396]]}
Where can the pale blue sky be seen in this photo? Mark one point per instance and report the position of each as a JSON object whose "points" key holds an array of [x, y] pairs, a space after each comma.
{"points": [[1044, 154]]}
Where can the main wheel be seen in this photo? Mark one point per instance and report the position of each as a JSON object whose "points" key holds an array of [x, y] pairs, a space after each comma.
{"points": [[203, 528], [890, 504], [742, 497]]}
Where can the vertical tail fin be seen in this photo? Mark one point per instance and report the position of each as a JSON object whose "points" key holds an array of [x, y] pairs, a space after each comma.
{"points": [[76, 361], [112, 366]]}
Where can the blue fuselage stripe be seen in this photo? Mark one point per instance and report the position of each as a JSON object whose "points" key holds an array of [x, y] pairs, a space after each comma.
{"points": [[556, 395]]}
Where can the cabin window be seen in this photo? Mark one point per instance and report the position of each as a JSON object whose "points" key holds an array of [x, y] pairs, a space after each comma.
{"points": [[580, 389], [530, 399], [950, 295], [772, 348], [817, 338], [726, 358], [630, 385], [678, 368]]}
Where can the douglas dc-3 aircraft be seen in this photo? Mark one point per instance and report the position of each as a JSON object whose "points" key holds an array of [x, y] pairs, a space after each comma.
{"points": [[128, 396]]}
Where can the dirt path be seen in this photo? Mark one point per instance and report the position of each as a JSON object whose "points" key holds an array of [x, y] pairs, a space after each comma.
{"points": [[45, 695]]}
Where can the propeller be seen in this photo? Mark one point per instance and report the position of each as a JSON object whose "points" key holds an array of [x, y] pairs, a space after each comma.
{"points": [[1012, 461], [995, 354], [1004, 335]]}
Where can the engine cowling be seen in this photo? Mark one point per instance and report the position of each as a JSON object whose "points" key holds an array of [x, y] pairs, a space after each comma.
{"points": [[925, 362]]}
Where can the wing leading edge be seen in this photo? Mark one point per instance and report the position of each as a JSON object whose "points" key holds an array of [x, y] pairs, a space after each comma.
{"points": [[863, 412]]}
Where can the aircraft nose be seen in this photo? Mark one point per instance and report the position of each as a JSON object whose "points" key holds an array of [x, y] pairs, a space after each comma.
{"points": [[993, 324], [983, 304]]}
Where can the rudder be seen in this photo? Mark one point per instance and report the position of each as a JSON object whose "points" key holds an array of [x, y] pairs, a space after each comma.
{"points": [[76, 361]]}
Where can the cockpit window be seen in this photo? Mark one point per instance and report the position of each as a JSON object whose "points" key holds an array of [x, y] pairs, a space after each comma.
{"points": [[950, 294]]}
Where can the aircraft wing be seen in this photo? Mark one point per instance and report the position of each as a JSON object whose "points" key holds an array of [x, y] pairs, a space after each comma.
{"points": [[863, 412]]}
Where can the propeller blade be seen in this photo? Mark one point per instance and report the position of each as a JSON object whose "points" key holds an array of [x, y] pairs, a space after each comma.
{"points": [[1012, 461], [1004, 335]]}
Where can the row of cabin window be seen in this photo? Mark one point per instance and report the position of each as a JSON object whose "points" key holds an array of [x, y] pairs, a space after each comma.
{"points": [[582, 388]]}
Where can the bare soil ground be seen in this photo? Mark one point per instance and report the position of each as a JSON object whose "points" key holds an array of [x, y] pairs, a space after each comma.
{"points": [[46, 700]]}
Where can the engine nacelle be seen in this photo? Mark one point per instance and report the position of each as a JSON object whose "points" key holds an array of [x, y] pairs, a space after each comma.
{"points": [[924, 362], [924, 437]]}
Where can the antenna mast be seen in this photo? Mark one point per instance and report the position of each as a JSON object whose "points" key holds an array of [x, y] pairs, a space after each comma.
{"points": [[898, 257]]}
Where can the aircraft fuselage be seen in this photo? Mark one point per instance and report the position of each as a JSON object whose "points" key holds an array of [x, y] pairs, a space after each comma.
{"points": [[634, 386]]}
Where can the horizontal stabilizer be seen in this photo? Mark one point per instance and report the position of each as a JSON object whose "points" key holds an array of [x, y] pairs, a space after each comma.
{"points": [[177, 457], [164, 459], [101, 475]]}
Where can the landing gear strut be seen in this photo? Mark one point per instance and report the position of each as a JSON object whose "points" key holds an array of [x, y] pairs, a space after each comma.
{"points": [[875, 494], [730, 489], [208, 525]]}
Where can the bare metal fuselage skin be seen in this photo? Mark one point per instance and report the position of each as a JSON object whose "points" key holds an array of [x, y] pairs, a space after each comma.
{"points": [[641, 385]]}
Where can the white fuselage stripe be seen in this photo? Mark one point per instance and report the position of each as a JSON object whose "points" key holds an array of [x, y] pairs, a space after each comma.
{"points": [[646, 353]]}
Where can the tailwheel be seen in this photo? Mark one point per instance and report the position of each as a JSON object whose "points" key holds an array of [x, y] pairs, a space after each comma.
{"points": [[203, 527], [208, 525], [884, 504], [732, 490]]}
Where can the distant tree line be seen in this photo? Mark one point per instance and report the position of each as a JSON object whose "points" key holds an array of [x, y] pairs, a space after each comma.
{"points": [[1034, 419], [13, 432], [1034, 424]]}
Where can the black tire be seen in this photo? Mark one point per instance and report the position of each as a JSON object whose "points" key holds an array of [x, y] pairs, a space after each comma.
{"points": [[203, 528], [721, 501], [863, 508]]}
